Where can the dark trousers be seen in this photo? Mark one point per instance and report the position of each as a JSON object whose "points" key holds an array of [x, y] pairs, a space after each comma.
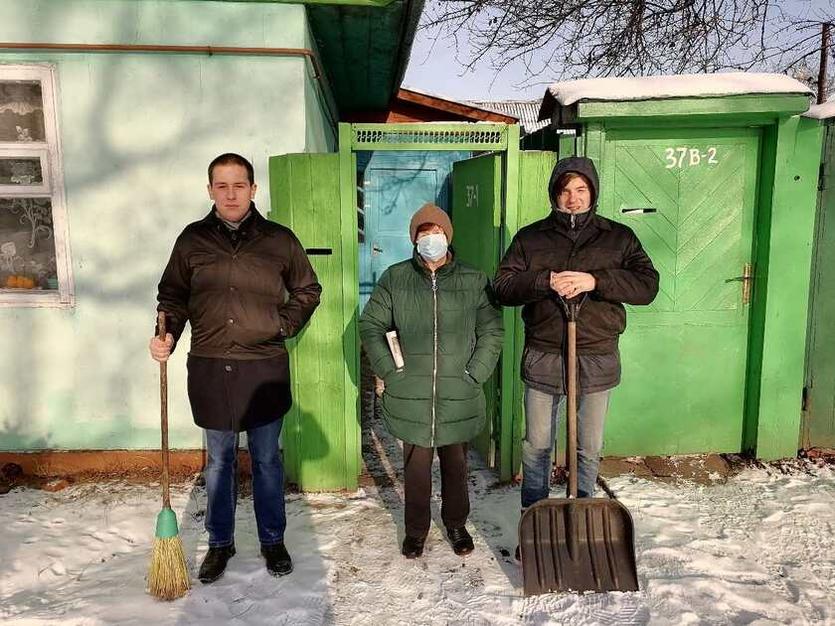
{"points": [[267, 484], [455, 500]]}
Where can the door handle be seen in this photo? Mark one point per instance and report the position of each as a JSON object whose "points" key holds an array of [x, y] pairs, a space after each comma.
{"points": [[746, 279], [376, 248]]}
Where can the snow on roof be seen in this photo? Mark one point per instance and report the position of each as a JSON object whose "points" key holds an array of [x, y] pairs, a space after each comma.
{"points": [[821, 111], [674, 86]]}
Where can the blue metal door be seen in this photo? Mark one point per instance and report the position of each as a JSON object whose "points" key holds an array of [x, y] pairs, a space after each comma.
{"points": [[394, 185]]}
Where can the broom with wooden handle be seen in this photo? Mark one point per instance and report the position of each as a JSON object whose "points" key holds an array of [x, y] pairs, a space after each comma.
{"points": [[168, 576]]}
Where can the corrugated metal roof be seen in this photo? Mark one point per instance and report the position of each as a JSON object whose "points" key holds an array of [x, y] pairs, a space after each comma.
{"points": [[527, 111]]}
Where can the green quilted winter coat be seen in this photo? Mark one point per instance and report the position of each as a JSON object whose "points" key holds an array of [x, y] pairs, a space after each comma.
{"points": [[450, 335]]}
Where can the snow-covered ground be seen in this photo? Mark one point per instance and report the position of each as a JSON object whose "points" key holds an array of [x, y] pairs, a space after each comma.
{"points": [[759, 549]]}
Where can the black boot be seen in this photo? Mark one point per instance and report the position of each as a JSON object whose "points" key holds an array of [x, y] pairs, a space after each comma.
{"points": [[461, 541], [214, 563], [278, 559], [412, 547]]}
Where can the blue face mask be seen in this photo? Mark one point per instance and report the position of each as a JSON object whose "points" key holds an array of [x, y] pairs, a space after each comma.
{"points": [[432, 247]]}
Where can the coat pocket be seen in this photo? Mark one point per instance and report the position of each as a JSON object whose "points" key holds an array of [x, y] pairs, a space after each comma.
{"points": [[394, 381]]}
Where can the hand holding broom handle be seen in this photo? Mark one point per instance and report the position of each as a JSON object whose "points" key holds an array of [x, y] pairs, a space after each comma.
{"points": [[163, 402]]}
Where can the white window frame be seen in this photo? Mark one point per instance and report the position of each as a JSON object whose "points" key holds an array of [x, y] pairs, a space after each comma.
{"points": [[26, 151], [53, 186]]}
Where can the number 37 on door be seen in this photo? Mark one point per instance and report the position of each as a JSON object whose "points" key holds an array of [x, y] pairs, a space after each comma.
{"points": [[684, 156]]}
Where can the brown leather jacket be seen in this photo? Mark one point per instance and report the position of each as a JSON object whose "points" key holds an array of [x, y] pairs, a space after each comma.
{"points": [[244, 292]]}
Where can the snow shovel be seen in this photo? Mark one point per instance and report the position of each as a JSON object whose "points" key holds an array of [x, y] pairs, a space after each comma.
{"points": [[576, 544]]}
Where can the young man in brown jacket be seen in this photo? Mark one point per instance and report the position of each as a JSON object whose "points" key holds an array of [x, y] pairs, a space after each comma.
{"points": [[245, 285]]}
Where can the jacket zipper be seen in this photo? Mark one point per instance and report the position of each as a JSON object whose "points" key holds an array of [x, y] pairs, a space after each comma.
{"points": [[434, 353], [569, 264]]}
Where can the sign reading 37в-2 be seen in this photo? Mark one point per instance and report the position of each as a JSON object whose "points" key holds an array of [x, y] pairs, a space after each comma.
{"points": [[684, 156]]}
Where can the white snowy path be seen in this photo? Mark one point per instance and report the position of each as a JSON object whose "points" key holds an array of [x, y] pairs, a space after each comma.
{"points": [[759, 549]]}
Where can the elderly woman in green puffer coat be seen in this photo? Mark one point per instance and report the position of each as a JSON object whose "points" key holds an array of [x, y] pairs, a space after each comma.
{"points": [[450, 335]]}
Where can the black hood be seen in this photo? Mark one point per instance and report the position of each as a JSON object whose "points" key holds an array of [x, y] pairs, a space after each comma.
{"points": [[581, 165]]}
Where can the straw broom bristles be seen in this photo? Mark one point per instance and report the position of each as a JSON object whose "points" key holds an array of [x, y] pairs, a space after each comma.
{"points": [[168, 577]]}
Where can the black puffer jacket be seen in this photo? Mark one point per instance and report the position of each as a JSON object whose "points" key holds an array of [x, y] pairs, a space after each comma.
{"points": [[607, 250]]}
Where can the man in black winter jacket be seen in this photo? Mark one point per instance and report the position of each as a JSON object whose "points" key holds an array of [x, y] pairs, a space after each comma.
{"points": [[245, 285], [570, 253]]}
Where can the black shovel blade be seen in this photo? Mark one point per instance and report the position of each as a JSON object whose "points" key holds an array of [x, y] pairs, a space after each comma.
{"points": [[578, 544]]}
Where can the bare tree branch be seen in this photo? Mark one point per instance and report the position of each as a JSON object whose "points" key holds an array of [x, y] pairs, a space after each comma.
{"points": [[557, 39]]}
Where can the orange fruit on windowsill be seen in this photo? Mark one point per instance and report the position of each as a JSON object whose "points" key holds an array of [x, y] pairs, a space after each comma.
{"points": [[19, 282]]}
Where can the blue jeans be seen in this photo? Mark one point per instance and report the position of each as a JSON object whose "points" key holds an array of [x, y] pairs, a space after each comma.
{"points": [[541, 427], [267, 484]]}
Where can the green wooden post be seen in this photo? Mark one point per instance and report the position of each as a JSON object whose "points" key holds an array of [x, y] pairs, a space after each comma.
{"points": [[593, 142], [567, 145], [350, 291], [510, 407], [783, 286]]}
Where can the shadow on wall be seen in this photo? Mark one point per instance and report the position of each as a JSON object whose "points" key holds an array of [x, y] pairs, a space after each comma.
{"points": [[135, 176]]}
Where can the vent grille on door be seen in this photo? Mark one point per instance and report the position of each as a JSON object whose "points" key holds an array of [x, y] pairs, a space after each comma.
{"points": [[446, 137]]}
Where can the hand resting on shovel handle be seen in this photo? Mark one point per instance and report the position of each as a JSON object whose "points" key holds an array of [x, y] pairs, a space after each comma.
{"points": [[571, 284]]}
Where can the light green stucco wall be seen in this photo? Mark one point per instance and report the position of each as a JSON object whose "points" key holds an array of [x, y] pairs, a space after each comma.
{"points": [[172, 22], [137, 132]]}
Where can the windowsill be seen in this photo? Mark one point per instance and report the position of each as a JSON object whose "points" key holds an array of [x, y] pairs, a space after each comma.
{"points": [[10, 298]]}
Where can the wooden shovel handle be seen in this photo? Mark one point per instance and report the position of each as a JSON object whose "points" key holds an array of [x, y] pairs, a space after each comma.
{"points": [[572, 310], [163, 403], [571, 409]]}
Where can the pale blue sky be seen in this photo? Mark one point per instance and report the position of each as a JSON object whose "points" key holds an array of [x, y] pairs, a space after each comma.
{"points": [[433, 67]]}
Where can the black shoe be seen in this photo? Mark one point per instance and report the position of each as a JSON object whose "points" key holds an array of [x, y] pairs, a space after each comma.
{"points": [[461, 541], [278, 559], [412, 547], [214, 563]]}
